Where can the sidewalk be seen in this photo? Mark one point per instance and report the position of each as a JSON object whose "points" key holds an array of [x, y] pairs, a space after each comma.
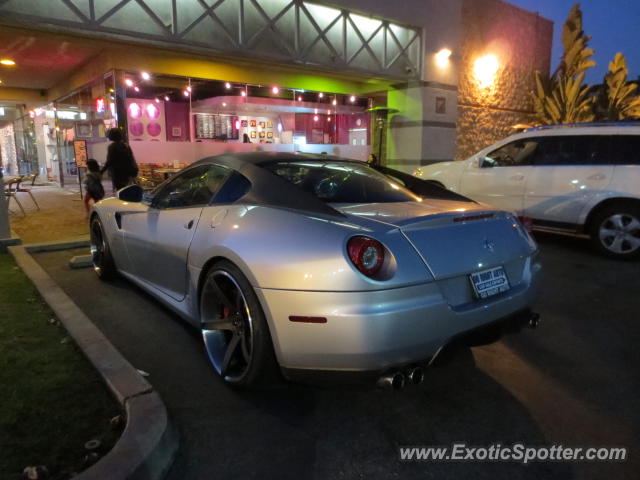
{"points": [[61, 215]]}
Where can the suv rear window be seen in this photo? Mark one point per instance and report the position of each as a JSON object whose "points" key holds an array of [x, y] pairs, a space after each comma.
{"points": [[341, 182]]}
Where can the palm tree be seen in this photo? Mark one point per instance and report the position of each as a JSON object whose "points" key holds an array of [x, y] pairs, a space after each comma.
{"points": [[618, 100], [563, 98]]}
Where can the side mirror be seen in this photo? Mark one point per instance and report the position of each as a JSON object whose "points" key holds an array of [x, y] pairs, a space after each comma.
{"points": [[131, 193], [486, 162]]}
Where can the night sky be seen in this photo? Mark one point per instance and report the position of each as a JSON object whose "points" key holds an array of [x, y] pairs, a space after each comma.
{"points": [[614, 26]]}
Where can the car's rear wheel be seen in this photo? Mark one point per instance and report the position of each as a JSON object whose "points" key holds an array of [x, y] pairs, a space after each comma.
{"points": [[234, 329], [615, 231], [101, 258]]}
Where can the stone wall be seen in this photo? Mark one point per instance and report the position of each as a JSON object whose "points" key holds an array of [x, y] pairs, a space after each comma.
{"points": [[521, 42]]}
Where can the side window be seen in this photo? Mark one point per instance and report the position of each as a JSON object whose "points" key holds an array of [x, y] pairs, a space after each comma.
{"points": [[625, 149], [514, 154], [555, 151], [195, 187], [592, 150], [573, 150]]}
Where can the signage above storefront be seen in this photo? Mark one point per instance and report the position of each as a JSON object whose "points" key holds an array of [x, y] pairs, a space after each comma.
{"points": [[100, 105]]}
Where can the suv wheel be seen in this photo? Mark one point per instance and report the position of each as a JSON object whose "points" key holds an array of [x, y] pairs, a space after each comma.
{"points": [[615, 231]]}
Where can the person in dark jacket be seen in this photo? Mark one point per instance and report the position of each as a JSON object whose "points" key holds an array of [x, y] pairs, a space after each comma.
{"points": [[121, 164], [93, 184]]}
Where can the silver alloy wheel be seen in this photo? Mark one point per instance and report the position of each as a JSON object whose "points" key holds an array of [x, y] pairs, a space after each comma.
{"points": [[227, 326], [98, 247], [620, 233]]}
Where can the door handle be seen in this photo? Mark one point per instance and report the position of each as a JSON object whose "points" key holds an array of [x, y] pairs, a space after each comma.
{"points": [[517, 177], [597, 176], [188, 225]]}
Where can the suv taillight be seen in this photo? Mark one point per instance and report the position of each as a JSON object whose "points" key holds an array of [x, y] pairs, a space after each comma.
{"points": [[366, 254]]}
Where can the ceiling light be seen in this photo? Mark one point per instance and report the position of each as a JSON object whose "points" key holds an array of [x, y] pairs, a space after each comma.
{"points": [[243, 93], [335, 102], [145, 76], [136, 88], [299, 99], [7, 61], [321, 95], [352, 98], [227, 85], [129, 82], [275, 90], [189, 89], [157, 100], [166, 98], [186, 93]]}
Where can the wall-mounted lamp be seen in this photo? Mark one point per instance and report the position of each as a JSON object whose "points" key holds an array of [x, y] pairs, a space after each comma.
{"points": [[442, 57], [485, 69]]}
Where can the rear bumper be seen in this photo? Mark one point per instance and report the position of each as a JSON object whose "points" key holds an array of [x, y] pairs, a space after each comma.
{"points": [[378, 330], [485, 333]]}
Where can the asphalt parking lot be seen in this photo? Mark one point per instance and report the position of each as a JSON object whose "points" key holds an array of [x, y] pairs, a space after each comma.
{"points": [[574, 381]]}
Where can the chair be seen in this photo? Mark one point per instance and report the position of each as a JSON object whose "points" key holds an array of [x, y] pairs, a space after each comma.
{"points": [[10, 192], [20, 189]]}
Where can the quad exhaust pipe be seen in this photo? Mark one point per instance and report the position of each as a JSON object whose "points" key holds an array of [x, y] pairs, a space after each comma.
{"points": [[534, 320], [392, 381], [415, 375], [396, 380]]}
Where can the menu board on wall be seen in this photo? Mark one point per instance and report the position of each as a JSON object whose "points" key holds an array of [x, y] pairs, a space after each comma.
{"points": [[219, 127]]}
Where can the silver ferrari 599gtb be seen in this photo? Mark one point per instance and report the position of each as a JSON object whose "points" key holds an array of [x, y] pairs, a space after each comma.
{"points": [[312, 265]]}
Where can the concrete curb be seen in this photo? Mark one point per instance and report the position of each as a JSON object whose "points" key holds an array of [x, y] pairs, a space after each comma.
{"points": [[148, 445], [9, 242]]}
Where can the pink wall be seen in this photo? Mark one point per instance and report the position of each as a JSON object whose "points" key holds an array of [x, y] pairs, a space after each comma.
{"points": [[178, 125]]}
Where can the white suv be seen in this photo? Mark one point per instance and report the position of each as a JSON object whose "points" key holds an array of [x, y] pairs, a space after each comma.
{"points": [[581, 179]]}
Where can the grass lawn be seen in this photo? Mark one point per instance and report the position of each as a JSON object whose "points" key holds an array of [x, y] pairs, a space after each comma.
{"points": [[52, 401]]}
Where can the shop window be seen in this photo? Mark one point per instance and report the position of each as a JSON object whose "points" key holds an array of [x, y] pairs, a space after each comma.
{"points": [[173, 121]]}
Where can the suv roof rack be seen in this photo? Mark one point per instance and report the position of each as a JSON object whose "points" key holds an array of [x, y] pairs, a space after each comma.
{"points": [[584, 124]]}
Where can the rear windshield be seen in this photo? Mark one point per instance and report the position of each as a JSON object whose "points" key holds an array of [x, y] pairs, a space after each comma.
{"points": [[342, 182]]}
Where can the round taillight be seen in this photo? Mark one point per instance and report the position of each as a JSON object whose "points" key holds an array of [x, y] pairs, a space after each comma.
{"points": [[366, 254]]}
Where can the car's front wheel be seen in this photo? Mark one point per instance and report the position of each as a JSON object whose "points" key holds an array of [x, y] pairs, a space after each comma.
{"points": [[615, 231], [101, 258], [234, 328]]}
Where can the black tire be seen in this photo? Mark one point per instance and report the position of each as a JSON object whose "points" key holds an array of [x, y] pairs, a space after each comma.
{"points": [[615, 231], [103, 263], [231, 314]]}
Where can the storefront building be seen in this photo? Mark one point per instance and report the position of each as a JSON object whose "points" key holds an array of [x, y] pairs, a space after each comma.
{"points": [[188, 79]]}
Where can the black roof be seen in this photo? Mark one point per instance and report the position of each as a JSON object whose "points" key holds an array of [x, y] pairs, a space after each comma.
{"points": [[269, 189]]}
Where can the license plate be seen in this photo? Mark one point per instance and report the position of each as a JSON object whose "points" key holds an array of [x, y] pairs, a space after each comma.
{"points": [[489, 282]]}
